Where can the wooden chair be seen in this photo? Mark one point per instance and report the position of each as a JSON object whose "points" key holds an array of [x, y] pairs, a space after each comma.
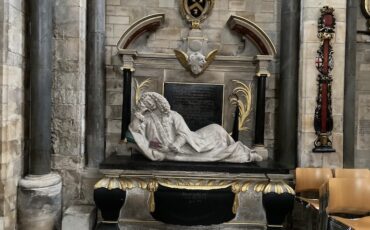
{"points": [[343, 197], [308, 182], [351, 173]]}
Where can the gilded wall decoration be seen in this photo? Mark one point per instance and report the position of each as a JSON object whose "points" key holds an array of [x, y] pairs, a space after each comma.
{"points": [[365, 7], [323, 120], [140, 88], [242, 98]]}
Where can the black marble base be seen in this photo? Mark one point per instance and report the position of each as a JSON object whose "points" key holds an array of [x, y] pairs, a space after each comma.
{"points": [[193, 207], [139, 162]]}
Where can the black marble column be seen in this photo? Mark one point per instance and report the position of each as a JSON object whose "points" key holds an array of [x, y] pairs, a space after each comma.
{"points": [[350, 85], [95, 87], [39, 197], [288, 83], [40, 43], [126, 106], [259, 135]]}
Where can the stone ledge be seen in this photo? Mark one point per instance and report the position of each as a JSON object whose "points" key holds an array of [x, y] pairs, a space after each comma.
{"points": [[82, 217]]}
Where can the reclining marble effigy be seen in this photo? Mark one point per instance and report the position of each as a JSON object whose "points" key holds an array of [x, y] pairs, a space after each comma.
{"points": [[162, 134]]}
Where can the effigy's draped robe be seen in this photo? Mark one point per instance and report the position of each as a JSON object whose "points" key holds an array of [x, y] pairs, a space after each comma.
{"points": [[209, 144]]}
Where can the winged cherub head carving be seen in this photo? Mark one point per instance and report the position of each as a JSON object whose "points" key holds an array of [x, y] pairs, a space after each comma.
{"points": [[196, 62]]}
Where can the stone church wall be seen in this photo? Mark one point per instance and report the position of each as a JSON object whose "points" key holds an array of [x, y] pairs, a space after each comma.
{"points": [[12, 110], [68, 96], [121, 14], [362, 116]]}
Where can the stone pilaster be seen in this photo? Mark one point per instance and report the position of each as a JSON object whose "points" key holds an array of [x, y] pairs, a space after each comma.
{"points": [[309, 43]]}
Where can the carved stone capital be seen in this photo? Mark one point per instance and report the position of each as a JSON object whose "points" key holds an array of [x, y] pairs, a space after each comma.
{"points": [[262, 65], [128, 62]]}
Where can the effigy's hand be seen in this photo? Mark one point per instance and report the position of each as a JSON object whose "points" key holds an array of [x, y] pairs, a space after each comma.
{"points": [[139, 116], [173, 147]]}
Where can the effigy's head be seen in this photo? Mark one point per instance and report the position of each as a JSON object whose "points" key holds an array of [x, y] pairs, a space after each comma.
{"points": [[152, 101]]}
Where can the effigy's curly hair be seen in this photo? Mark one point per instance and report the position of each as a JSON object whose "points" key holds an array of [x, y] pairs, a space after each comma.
{"points": [[161, 102]]}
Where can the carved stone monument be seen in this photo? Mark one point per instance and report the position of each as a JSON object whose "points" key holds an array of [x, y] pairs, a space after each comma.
{"points": [[162, 134]]}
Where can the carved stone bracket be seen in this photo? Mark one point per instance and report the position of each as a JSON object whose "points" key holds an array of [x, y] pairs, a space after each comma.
{"points": [[262, 65], [128, 60]]}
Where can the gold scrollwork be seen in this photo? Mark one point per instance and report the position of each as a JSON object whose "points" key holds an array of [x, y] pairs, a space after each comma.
{"points": [[140, 88], [109, 183], [242, 97], [278, 187]]}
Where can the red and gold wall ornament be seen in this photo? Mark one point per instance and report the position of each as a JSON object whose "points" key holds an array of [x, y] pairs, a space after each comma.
{"points": [[323, 121]]}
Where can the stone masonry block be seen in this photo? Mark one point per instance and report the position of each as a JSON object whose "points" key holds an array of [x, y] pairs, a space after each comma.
{"points": [[167, 3], [118, 20], [113, 2], [81, 217]]}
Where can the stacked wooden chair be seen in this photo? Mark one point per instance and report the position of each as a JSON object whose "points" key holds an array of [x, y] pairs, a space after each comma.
{"points": [[345, 200]]}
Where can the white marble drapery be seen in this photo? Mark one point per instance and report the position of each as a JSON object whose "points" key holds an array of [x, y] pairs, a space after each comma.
{"points": [[162, 134]]}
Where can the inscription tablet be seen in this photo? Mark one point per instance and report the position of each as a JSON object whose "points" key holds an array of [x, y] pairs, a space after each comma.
{"points": [[199, 104]]}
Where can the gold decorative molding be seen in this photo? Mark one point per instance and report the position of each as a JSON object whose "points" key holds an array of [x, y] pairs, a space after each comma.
{"points": [[195, 184], [242, 97], [151, 185], [278, 187], [140, 88]]}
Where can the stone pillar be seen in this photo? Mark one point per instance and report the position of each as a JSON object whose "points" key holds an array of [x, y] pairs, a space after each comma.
{"points": [[95, 87], [350, 85], [39, 194], [288, 83], [127, 68], [263, 62]]}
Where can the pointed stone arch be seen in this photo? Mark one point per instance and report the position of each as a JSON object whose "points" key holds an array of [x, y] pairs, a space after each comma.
{"points": [[149, 23], [249, 29]]}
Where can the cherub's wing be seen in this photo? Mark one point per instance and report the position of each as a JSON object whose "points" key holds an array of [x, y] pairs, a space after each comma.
{"points": [[211, 56], [182, 57]]}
